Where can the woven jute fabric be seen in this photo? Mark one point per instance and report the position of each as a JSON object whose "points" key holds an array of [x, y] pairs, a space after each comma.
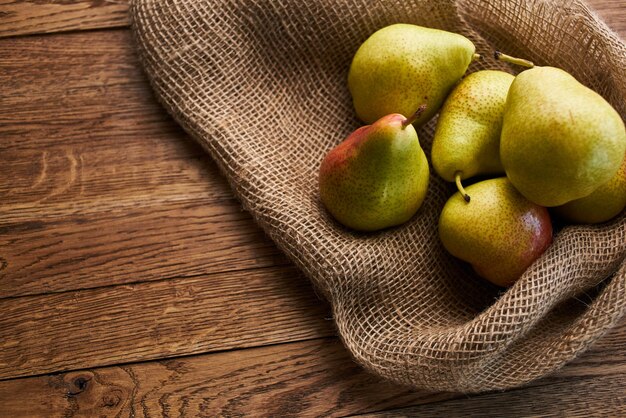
{"points": [[262, 86]]}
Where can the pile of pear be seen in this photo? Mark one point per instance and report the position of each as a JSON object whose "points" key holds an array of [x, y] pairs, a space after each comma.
{"points": [[537, 140]]}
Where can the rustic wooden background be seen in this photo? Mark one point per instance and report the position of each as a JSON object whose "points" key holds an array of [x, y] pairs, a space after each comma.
{"points": [[132, 283]]}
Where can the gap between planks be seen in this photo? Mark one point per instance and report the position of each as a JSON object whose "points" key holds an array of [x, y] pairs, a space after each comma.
{"points": [[19, 18], [38, 17], [128, 223], [313, 378], [350, 412], [153, 320], [584, 396], [107, 189]]}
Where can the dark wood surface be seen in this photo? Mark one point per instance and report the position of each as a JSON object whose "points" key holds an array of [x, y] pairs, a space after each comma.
{"points": [[22, 17], [132, 283]]}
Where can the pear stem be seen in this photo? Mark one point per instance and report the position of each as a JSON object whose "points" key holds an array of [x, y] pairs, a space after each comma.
{"points": [[476, 57], [414, 116], [512, 60], [457, 179]]}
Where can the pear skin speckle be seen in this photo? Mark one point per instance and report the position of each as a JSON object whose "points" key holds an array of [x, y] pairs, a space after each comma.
{"points": [[377, 177], [560, 140], [467, 138], [603, 204], [402, 66], [499, 232]]}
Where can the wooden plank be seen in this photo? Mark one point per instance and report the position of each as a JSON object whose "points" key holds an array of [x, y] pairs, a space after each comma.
{"points": [[82, 132], [61, 181], [177, 240], [22, 17], [309, 378], [19, 17], [98, 185], [581, 397], [81, 218], [72, 330], [56, 92], [613, 14]]}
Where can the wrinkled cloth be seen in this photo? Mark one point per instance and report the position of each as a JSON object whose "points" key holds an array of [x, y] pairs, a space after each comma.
{"points": [[262, 86]]}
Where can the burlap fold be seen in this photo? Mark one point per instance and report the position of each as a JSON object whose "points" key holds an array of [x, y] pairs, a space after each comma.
{"points": [[262, 86]]}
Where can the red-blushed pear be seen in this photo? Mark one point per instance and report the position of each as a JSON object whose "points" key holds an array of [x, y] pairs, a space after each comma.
{"points": [[377, 177], [499, 232], [606, 202]]}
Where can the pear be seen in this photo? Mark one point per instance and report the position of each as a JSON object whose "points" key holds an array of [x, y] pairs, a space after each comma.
{"points": [[402, 66], [604, 203], [377, 177], [499, 232], [560, 140], [467, 138]]}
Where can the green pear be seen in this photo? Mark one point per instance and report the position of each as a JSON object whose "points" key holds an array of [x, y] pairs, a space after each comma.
{"points": [[377, 177], [402, 66], [499, 232], [560, 140], [604, 203], [467, 138]]}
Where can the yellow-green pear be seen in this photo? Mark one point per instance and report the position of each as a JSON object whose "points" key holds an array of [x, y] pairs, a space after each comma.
{"points": [[603, 204], [377, 177], [499, 232], [560, 140], [467, 138], [401, 66]]}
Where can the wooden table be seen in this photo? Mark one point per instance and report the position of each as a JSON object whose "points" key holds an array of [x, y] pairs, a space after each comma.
{"points": [[132, 283]]}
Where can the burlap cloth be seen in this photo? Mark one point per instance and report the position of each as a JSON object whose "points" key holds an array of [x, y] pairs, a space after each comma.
{"points": [[262, 86]]}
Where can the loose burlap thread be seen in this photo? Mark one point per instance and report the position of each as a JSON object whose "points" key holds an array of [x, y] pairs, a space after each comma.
{"points": [[262, 86]]}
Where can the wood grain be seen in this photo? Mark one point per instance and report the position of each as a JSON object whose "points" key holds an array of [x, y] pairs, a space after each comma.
{"points": [[101, 191], [581, 397], [612, 13], [19, 17], [58, 95], [311, 378], [22, 17], [71, 330], [165, 241], [106, 189]]}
